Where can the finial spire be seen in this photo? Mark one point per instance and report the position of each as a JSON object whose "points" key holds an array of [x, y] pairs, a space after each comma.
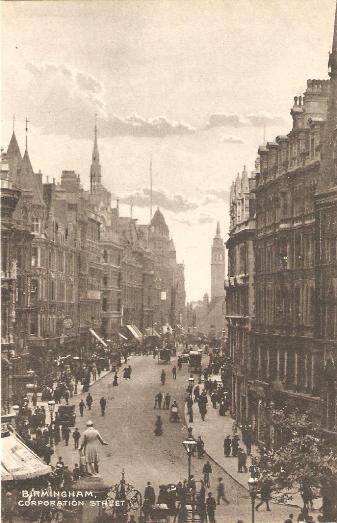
{"points": [[150, 188], [13, 122], [218, 232], [27, 122]]}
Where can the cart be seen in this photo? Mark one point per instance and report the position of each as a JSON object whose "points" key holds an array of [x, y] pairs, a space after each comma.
{"points": [[194, 361]]}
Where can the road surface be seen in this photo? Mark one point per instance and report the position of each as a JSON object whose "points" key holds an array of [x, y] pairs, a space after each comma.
{"points": [[128, 427]]}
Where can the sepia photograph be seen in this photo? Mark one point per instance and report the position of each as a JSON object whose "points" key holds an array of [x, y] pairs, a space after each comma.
{"points": [[168, 198]]}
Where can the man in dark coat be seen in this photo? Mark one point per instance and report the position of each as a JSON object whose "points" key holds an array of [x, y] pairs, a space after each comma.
{"points": [[150, 494], [227, 444], [211, 507], [102, 403], [81, 407], [89, 400], [265, 494]]}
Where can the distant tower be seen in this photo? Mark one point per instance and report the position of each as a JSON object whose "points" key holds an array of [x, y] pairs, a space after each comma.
{"points": [[217, 265], [95, 168]]}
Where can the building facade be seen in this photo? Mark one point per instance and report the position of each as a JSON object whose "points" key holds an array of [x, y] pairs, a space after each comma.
{"points": [[240, 290], [288, 361], [326, 254]]}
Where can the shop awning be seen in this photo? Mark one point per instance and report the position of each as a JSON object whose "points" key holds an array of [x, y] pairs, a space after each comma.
{"points": [[151, 332], [18, 461], [134, 331], [123, 337], [97, 337]]}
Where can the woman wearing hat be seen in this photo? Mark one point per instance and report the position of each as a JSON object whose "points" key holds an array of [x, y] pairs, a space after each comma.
{"points": [[91, 437]]}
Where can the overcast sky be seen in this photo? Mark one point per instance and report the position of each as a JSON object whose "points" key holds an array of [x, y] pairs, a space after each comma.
{"points": [[189, 82]]}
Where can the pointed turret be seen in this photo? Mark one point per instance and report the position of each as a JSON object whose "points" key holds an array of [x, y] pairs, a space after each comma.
{"points": [[244, 181], [218, 231], [328, 172], [172, 247], [95, 169], [14, 159], [31, 182]]}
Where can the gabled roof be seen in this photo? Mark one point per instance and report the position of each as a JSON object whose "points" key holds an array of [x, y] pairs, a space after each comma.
{"points": [[30, 181]]}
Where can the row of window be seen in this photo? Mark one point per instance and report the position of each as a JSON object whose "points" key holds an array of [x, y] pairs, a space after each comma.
{"points": [[285, 253], [285, 305]]}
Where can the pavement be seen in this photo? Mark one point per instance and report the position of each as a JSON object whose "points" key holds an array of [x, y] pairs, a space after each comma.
{"points": [[214, 438], [128, 427]]}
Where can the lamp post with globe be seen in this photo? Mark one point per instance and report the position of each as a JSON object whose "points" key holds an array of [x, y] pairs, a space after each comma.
{"points": [[252, 486], [190, 446], [51, 407]]}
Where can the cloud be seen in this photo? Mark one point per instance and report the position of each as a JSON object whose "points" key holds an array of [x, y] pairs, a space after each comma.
{"points": [[68, 100], [232, 139], [135, 125], [215, 195], [171, 202], [249, 120], [183, 221], [205, 218]]}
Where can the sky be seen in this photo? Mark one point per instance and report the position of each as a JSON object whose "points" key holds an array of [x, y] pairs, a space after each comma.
{"points": [[190, 83]]}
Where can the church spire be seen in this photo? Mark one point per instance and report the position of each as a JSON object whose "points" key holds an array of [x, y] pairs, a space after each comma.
{"points": [[328, 174], [218, 232], [95, 169]]}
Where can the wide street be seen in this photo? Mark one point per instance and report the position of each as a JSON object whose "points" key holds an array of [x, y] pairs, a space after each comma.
{"points": [[128, 427]]}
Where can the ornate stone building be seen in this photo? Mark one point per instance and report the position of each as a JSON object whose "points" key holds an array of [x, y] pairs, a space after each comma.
{"points": [[326, 253], [240, 292], [288, 365]]}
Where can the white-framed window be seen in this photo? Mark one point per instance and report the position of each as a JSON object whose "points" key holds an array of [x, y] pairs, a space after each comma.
{"points": [[36, 225]]}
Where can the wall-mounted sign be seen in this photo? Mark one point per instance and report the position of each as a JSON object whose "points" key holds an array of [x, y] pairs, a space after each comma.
{"points": [[163, 295]]}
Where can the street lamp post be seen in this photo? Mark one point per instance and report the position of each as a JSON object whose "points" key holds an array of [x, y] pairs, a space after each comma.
{"points": [[190, 445], [51, 407], [252, 486]]}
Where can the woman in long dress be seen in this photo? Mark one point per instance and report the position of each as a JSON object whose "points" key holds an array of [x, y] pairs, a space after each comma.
{"points": [[90, 440]]}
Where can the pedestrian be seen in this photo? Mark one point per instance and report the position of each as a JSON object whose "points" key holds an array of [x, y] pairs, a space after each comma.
{"points": [[76, 472], [76, 437], [180, 363], [190, 414], [66, 396], [163, 377], [174, 372], [150, 494], [167, 401], [89, 400], [196, 393], [159, 399], [220, 491], [201, 509], [211, 508], [235, 445], [227, 446], [115, 381], [67, 478], [82, 407], [200, 447], [207, 470], [303, 515], [306, 494], [102, 403], [129, 371], [265, 495], [66, 434], [59, 463], [158, 430], [242, 460], [48, 452]]}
